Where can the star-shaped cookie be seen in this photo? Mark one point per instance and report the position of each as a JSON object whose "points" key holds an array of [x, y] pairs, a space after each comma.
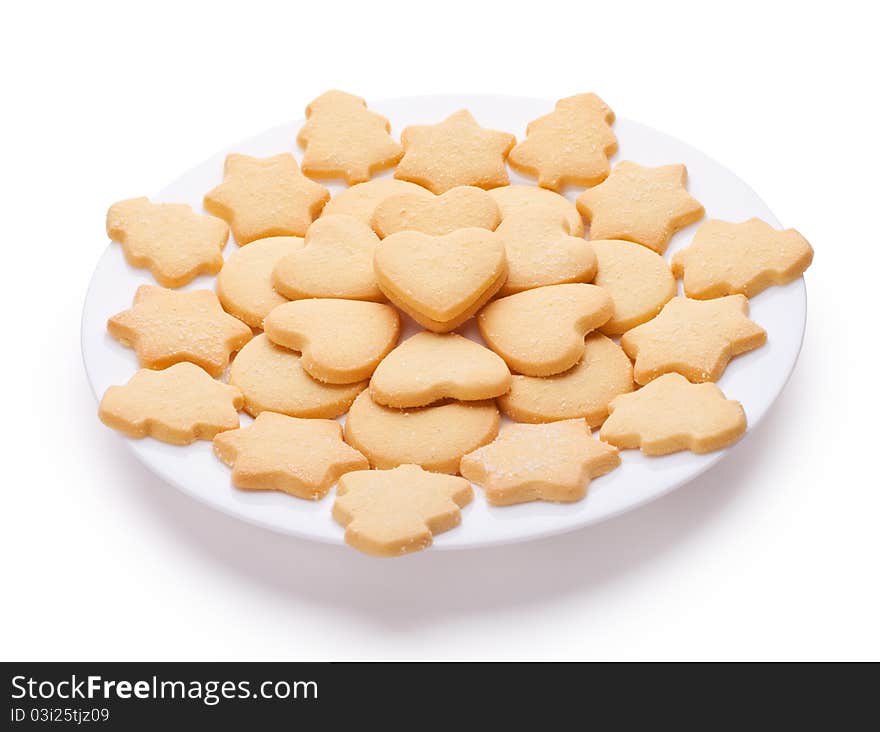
{"points": [[640, 204], [696, 338], [671, 414], [387, 513], [539, 462], [301, 457], [165, 327], [170, 239], [344, 139], [569, 146], [746, 258], [262, 197], [178, 405], [454, 152]]}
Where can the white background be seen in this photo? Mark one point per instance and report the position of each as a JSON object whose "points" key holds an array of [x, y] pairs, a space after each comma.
{"points": [[773, 555]]}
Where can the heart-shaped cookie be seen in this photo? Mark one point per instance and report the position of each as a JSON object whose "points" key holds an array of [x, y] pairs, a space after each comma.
{"points": [[441, 281], [338, 244], [458, 208], [341, 341], [541, 332], [433, 366]]}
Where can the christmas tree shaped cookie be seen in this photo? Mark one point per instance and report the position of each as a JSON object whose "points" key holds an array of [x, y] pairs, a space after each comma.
{"points": [[344, 139]]}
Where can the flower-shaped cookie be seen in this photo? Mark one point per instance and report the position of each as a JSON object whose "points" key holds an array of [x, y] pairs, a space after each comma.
{"points": [[262, 197], [454, 152], [539, 462], [170, 239], [301, 457], [746, 258], [392, 512], [672, 414], [696, 338], [178, 405], [644, 205], [165, 327], [344, 139]]}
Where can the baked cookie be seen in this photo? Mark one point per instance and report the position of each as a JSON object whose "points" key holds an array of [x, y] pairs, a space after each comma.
{"points": [[671, 414], [337, 261], [170, 239], [165, 327], [178, 405], [361, 200], [459, 208], [584, 391], [639, 281], [746, 258], [440, 281], [433, 437], [696, 338], [341, 341], [262, 197], [569, 146], [541, 251], [433, 366], [640, 204], [454, 152], [387, 513], [539, 462], [541, 332], [344, 139], [300, 457], [516, 198], [272, 379], [244, 285]]}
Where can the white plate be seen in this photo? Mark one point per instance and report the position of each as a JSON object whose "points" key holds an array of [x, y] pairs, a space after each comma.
{"points": [[755, 379]]}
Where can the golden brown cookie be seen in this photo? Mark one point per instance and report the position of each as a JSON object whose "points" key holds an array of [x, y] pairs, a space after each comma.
{"points": [[640, 204], [341, 341], [387, 513], [262, 197], [516, 198], [541, 332], [244, 285], [454, 152], [178, 405], [569, 146], [170, 239], [539, 462], [696, 338], [459, 208], [272, 379], [584, 391], [433, 437], [165, 327], [300, 457], [361, 200], [344, 139], [638, 280], [440, 281], [541, 251], [433, 366], [746, 258], [337, 261], [671, 414]]}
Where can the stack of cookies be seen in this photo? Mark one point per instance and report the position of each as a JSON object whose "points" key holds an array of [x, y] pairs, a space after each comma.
{"points": [[517, 311]]}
